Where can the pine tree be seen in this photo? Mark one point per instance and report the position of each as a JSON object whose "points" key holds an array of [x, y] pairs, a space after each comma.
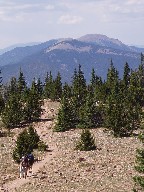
{"points": [[122, 111], [66, 116], [112, 78], [86, 142], [96, 86], [26, 142], [33, 138], [114, 114], [2, 104], [49, 87], [39, 86], [126, 77], [32, 108], [57, 87], [12, 88], [139, 179], [21, 83], [67, 91], [93, 80], [12, 113], [79, 91], [140, 74], [134, 102], [46, 91], [1, 79], [21, 145], [90, 115]]}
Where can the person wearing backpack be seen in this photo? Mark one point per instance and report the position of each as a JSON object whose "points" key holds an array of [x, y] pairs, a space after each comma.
{"points": [[23, 166], [30, 160]]}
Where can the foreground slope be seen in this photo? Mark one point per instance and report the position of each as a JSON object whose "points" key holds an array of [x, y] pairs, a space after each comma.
{"points": [[107, 169]]}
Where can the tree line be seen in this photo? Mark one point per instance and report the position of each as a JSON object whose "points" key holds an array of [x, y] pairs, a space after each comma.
{"points": [[21, 104], [115, 103]]}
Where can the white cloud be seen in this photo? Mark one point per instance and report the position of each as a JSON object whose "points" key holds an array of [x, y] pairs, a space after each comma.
{"points": [[40, 19], [49, 7], [135, 2], [68, 19]]}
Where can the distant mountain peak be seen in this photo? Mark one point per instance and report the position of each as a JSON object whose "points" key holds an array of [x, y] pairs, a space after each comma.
{"points": [[98, 37], [69, 45], [103, 40]]}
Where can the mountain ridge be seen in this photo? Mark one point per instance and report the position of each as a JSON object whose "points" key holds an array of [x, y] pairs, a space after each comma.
{"points": [[65, 54]]}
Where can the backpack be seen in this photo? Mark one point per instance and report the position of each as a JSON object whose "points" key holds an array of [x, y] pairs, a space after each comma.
{"points": [[31, 158]]}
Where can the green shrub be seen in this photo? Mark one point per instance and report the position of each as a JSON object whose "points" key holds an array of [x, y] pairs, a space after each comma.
{"points": [[26, 142], [139, 167], [87, 141], [42, 146], [2, 145]]}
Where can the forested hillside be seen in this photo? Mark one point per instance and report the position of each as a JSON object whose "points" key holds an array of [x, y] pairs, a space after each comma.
{"points": [[64, 55]]}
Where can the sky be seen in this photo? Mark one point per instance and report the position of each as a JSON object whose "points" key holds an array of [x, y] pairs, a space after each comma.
{"points": [[25, 21]]}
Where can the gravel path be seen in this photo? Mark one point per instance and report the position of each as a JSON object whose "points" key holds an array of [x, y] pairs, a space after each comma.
{"points": [[17, 183]]}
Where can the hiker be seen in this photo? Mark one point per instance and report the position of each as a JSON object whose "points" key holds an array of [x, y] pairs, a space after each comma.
{"points": [[23, 166], [30, 160]]}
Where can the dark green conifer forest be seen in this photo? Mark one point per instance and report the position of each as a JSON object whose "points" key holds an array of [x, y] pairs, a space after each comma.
{"points": [[115, 102]]}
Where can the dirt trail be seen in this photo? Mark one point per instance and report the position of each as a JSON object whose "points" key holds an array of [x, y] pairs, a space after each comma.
{"points": [[15, 184], [42, 129]]}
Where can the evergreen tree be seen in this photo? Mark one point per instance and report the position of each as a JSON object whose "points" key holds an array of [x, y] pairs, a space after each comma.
{"points": [[39, 86], [114, 114], [93, 80], [21, 83], [32, 108], [87, 141], [140, 74], [33, 138], [126, 76], [49, 87], [139, 179], [12, 113], [90, 115], [99, 89], [46, 91], [12, 88], [123, 112], [66, 116], [26, 142], [22, 146], [0, 79], [96, 86], [2, 104], [133, 102], [79, 91], [57, 92], [67, 91], [112, 78]]}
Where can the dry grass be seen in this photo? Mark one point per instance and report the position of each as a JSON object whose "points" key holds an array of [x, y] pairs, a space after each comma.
{"points": [[110, 168]]}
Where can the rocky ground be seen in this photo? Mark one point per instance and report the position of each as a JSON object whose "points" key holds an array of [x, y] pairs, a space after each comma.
{"points": [[109, 168]]}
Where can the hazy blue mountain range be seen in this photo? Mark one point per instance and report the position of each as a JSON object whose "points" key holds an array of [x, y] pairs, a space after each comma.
{"points": [[4, 50], [64, 55]]}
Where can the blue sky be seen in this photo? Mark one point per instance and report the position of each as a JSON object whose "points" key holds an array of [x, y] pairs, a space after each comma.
{"points": [[23, 21]]}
